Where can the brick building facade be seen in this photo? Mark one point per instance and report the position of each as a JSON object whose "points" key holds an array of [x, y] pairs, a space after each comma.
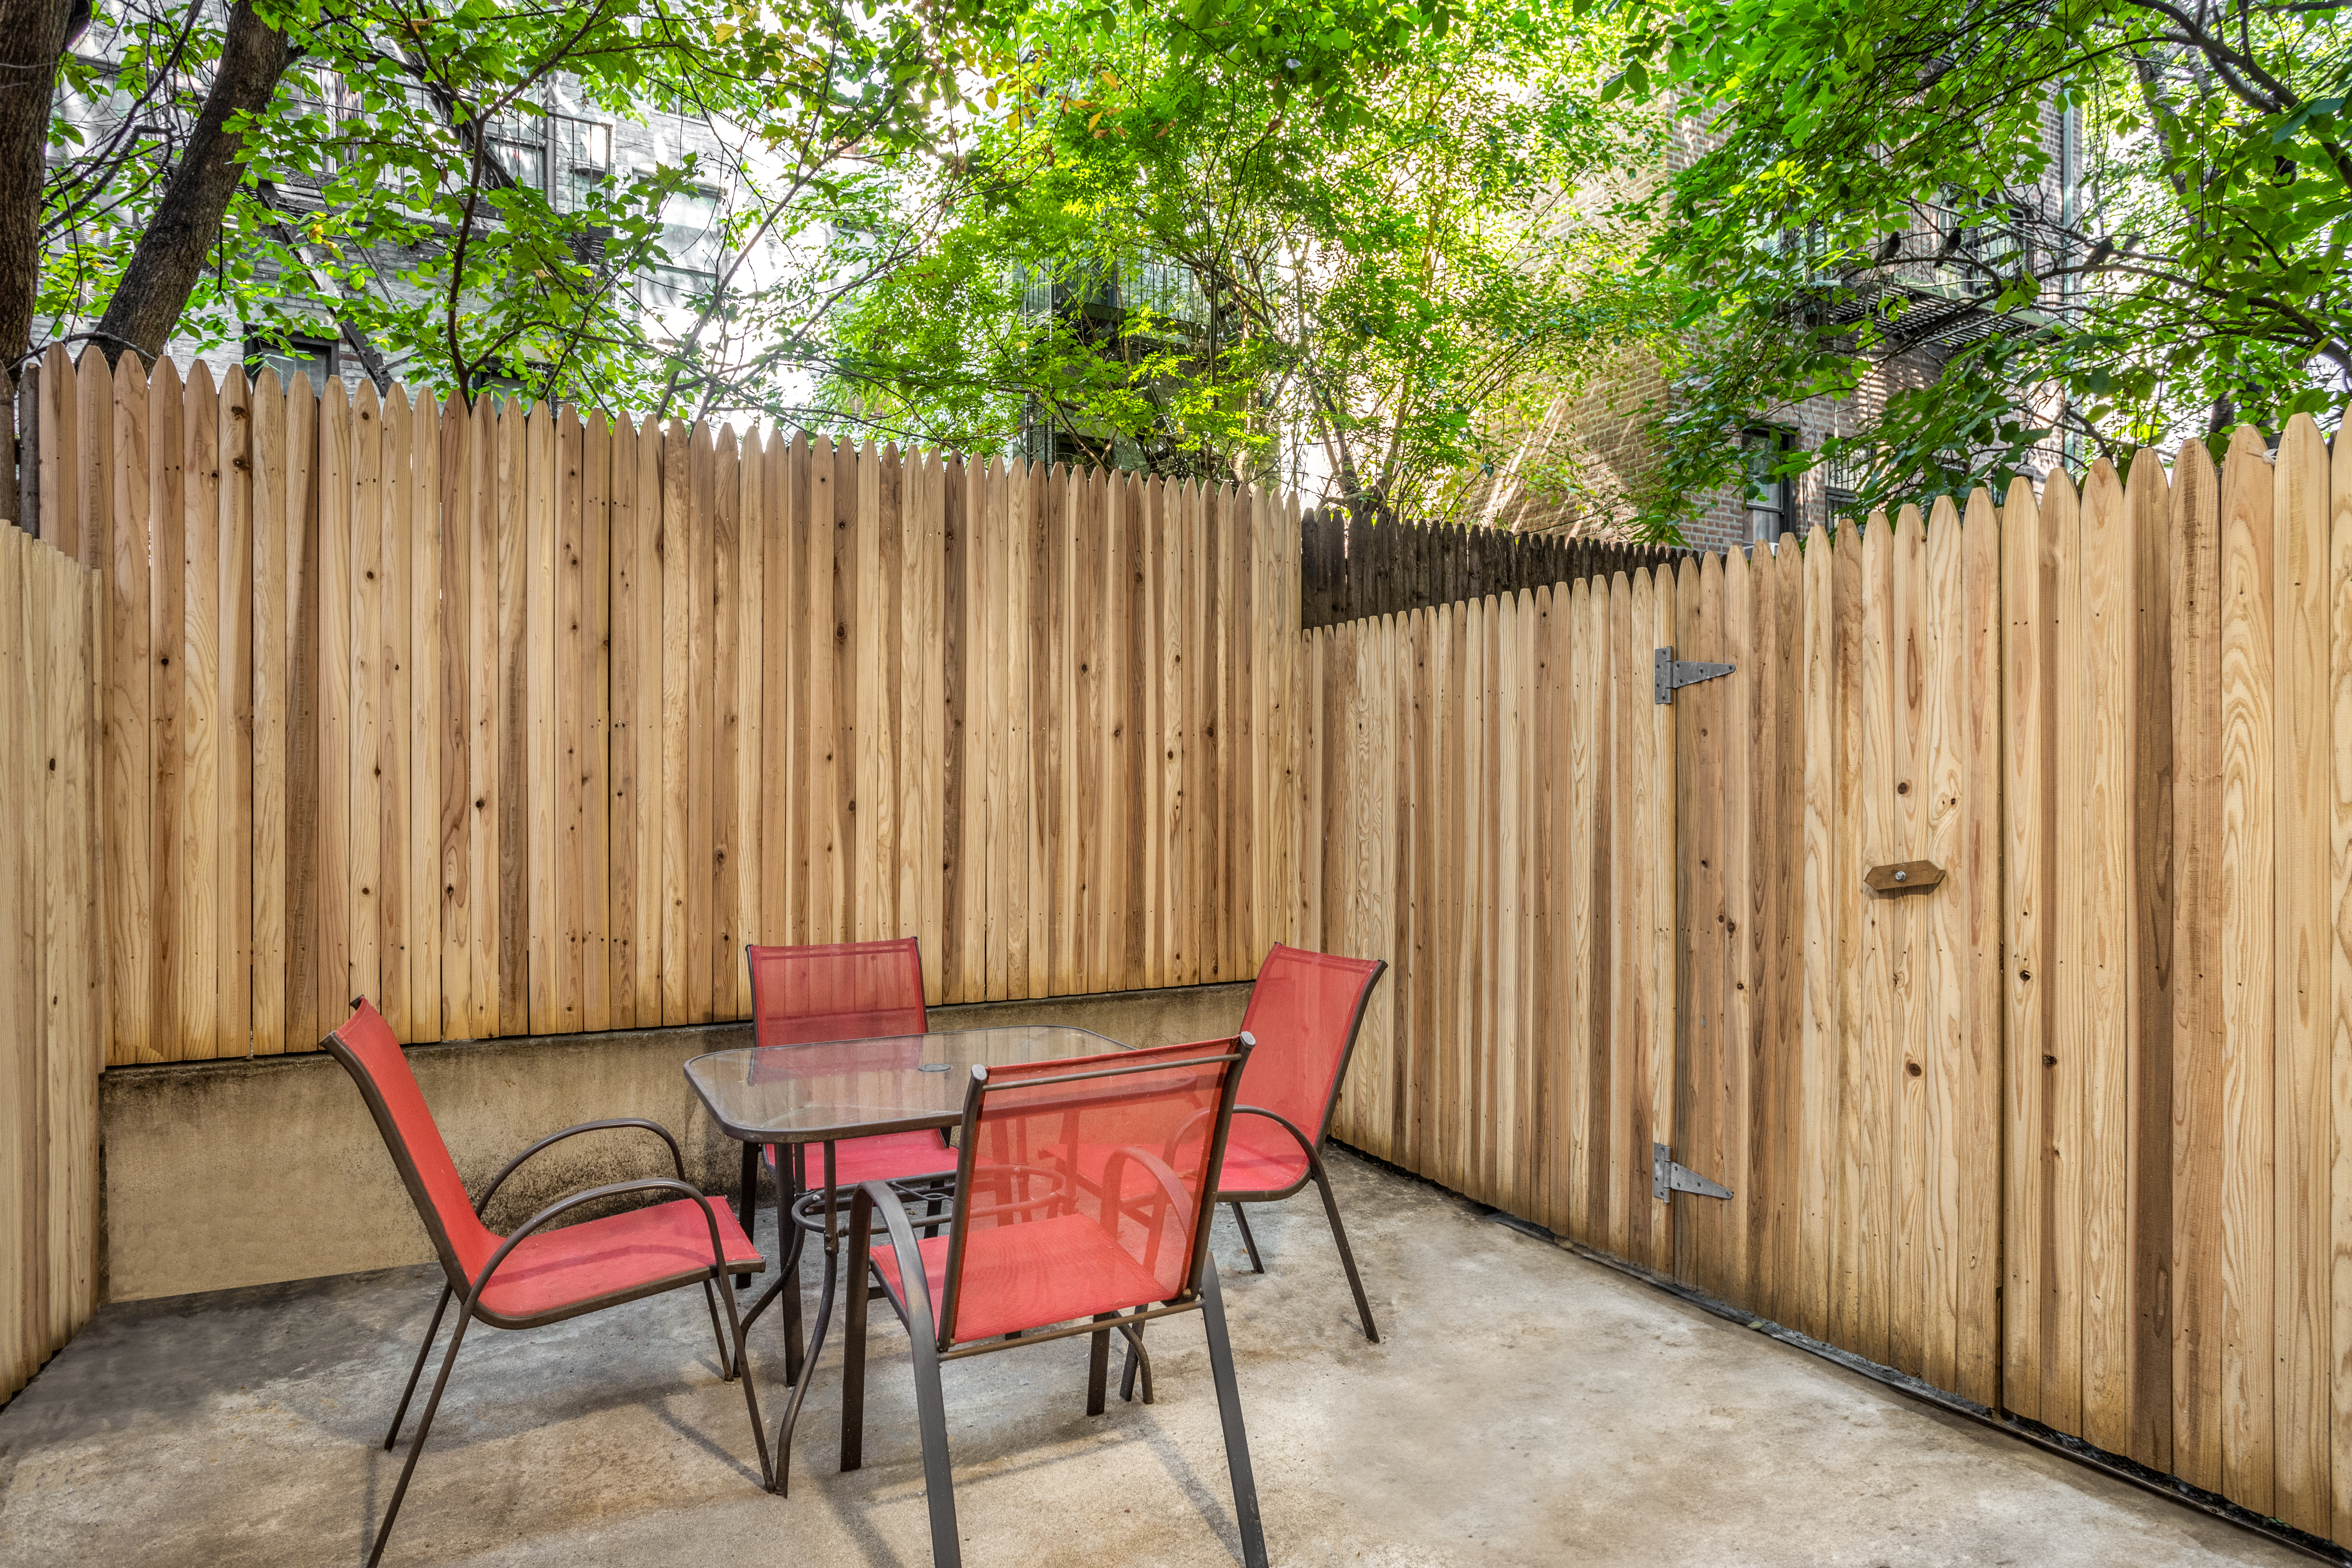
{"points": [[1600, 435]]}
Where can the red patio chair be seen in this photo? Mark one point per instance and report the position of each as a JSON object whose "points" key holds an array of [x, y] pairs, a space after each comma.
{"points": [[1034, 1252], [1304, 1012], [535, 1276], [841, 991], [850, 991]]}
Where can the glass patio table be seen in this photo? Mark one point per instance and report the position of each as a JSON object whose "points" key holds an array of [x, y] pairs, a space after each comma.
{"points": [[795, 1096]]}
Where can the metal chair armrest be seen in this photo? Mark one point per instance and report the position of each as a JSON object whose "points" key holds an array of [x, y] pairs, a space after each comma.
{"points": [[1288, 1126], [616, 1189], [677, 1159], [914, 1284], [1153, 1165]]}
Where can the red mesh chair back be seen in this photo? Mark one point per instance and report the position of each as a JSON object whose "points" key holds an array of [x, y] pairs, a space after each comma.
{"points": [[1303, 1012], [844, 991], [1087, 1185], [370, 1053]]}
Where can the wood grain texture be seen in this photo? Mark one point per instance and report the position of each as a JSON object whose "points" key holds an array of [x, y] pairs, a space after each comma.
{"points": [[672, 547], [1903, 1069], [2102, 954], [717, 949], [2029, 717], [567, 759], [2198, 1020], [24, 1123], [2245, 886], [1865, 1116], [1978, 1104], [1823, 1044], [734, 973], [195, 800], [130, 889], [266, 935], [1942, 960], [329, 880], [2339, 610], [2301, 939], [234, 781], [391, 687], [53, 613], [2148, 1156]]}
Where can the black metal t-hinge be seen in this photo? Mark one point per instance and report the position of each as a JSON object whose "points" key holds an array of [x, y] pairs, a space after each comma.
{"points": [[1672, 672]]}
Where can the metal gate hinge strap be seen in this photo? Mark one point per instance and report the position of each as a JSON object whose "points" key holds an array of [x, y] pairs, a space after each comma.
{"points": [[1668, 1178], [1671, 672]]}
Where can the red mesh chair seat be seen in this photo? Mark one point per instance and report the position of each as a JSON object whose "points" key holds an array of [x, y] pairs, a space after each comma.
{"points": [[605, 1261], [1019, 1277]]}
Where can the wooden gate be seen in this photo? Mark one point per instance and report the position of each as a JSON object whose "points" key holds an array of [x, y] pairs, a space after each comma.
{"points": [[1837, 1048]]}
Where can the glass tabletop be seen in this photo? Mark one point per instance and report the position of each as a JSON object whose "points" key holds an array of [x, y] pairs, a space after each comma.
{"points": [[850, 1088]]}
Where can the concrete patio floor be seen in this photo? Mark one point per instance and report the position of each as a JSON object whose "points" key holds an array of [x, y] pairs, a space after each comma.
{"points": [[1528, 1406]]}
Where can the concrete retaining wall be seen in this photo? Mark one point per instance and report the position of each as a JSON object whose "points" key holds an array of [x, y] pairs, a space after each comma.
{"points": [[219, 1175]]}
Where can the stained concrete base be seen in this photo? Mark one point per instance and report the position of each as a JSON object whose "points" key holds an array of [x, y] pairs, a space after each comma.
{"points": [[1528, 1406], [218, 1175]]}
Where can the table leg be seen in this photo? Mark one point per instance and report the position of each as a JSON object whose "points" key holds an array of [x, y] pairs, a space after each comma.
{"points": [[747, 1202], [793, 1350], [783, 1446]]}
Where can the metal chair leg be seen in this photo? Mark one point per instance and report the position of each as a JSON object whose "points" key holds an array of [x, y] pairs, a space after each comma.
{"points": [[739, 1331], [424, 1430], [853, 1341], [747, 1201], [422, 1351], [1339, 1235], [1229, 1413], [726, 1351], [751, 1404], [1097, 1365], [1257, 1265], [938, 1479], [1136, 1358]]}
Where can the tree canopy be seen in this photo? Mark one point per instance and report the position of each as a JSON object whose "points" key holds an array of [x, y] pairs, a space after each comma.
{"points": [[1871, 164], [1399, 248], [219, 173]]}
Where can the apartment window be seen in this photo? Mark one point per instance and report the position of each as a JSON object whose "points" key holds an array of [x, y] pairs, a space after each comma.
{"points": [[690, 243], [1771, 499], [583, 152], [1840, 492], [517, 145], [313, 357]]}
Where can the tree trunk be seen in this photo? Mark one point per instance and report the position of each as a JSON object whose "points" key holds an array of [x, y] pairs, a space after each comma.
{"points": [[32, 36], [178, 242]]}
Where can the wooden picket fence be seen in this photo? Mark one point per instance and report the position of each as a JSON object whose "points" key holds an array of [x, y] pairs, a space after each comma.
{"points": [[1354, 570], [51, 1049], [522, 721], [2070, 1134]]}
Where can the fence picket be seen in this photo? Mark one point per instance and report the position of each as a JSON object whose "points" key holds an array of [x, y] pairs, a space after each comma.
{"points": [[2340, 608], [2302, 1088], [2246, 887]]}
